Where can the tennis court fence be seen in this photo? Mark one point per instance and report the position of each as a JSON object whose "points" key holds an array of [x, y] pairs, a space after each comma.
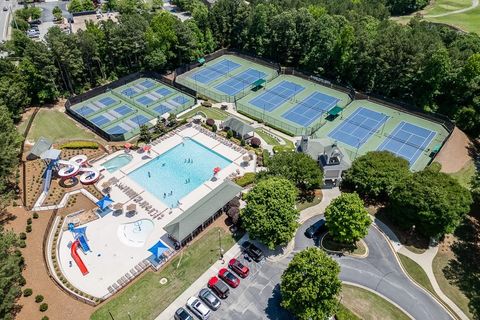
{"points": [[275, 122]]}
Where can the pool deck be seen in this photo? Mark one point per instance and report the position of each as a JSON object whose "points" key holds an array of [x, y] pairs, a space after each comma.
{"points": [[111, 258]]}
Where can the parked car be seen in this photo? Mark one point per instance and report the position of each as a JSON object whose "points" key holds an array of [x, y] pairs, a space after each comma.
{"points": [[207, 296], [253, 251], [35, 22], [197, 307], [219, 287], [316, 228], [182, 314], [238, 268], [229, 277]]}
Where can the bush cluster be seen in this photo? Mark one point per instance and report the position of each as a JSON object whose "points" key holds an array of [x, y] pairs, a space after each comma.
{"points": [[80, 145]]}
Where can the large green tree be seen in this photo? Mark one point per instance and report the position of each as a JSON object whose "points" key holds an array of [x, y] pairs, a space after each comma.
{"points": [[11, 265], [375, 174], [433, 202], [270, 215], [347, 219], [310, 285], [297, 167]]}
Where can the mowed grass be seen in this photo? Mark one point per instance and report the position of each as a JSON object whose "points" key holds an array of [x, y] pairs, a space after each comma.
{"points": [[464, 175], [56, 126], [369, 306], [210, 112], [468, 21], [445, 6], [416, 272], [344, 313], [267, 137], [147, 298]]}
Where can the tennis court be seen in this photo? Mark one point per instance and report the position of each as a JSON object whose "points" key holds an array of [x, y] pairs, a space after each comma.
{"points": [[408, 141], [358, 127], [212, 72], [311, 108], [124, 109], [274, 97], [241, 81]]}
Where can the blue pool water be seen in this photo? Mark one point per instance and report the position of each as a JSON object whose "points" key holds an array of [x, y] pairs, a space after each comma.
{"points": [[116, 163], [170, 176]]}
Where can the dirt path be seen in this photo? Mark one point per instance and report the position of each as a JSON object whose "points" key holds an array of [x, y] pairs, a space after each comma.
{"points": [[60, 305], [456, 153]]}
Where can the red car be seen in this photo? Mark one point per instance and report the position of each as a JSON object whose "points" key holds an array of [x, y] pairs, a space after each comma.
{"points": [[238, 268], [228, 277]]}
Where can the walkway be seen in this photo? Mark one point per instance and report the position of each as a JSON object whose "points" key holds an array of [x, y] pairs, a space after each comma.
{"points": [[473, 6]]}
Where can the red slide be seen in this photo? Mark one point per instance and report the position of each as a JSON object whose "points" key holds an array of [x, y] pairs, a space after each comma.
{"points": [[77, 258]]}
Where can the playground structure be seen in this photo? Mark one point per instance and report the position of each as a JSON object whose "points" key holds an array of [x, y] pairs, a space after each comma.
{"points": [[80, 240]]}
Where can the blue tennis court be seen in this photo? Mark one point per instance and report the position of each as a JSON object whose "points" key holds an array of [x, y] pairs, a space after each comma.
{"points": [[310, 109], [210, 73], [123, 110], [84, 111], [161, 109], [145, 100], [108, 101], [242, 80], [358, 127], [116, 130], [180, 99], [408, 141], [139, 119], [274, 97], [100, 120], [163, 91], [147, 84], [129, 92]]}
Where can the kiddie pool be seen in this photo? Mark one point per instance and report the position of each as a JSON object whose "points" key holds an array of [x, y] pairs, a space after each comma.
{"points": [[117, 162], [135, 234]]}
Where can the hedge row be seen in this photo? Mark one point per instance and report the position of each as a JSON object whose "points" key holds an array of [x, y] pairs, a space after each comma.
{"points": [[80, 145]]}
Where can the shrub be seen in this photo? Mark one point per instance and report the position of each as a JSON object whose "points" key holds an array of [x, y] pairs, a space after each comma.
{"points": [[22, 236], [22, 244], [246, 179], [242, 142], [27, 292], [207, 104], [210, 122], [35, 215], [29, 221], [234, 214], [214, 128], [38, 298], [43, 307], [229, 134], [255, 142], [45, 318], [80, 145], [21, 280], [28, 228]]}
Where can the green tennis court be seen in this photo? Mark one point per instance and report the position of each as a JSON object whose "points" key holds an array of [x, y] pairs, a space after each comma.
{"points": [[123, 110]]}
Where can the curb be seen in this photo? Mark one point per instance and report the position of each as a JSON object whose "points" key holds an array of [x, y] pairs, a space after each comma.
{"points": [[440, 302], [359, 256]]}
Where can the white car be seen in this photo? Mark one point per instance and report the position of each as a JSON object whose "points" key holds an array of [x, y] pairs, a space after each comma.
{"points": [[197, 307]]}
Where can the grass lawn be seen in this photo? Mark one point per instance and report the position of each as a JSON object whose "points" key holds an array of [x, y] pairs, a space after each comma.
{"points": [[464, 175], [416, 272], [307, 203], [344, 313], [468, 21], [358, 248], [368, 306], [147, 298], [441, 261], [445, 6], [210, 112], [267, 137], [55, 125]]}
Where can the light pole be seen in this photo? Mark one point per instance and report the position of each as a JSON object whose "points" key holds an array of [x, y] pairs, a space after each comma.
{"points": [[220, 245]]}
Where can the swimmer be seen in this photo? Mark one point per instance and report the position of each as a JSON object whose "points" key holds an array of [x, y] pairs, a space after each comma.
{"points": [[149, 175]]}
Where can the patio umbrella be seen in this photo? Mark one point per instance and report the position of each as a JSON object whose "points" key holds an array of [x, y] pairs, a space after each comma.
{"points": [[104, 202], [107, 184], [147, 148], [246, 158], [216, 170], [128, 145], [132, 207]]}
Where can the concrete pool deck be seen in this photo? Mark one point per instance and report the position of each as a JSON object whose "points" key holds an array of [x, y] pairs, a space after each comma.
{"points": [[111, 258]]}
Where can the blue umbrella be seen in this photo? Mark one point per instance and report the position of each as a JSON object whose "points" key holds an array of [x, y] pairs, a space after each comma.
{"points": [[158, 249], [104, 202]]}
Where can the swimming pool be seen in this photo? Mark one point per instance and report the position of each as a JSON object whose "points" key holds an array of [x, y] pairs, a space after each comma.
{"points": [[177, 172], [117, 162]]}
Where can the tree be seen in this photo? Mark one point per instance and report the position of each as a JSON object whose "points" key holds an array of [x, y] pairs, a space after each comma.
{"points": [[310, 285], [159, 126], [299, 168], [347, 219], [375, 174], [145, 134], [75, 6], [475, 187], [433, 202], [11, 265], [270, 215], [57, 13]]}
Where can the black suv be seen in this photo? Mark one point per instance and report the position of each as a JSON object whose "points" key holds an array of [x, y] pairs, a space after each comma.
{"points": [[316, 228], [182, 314], [253, 251]]}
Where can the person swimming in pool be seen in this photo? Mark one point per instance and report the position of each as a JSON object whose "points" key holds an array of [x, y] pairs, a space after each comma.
{"points": [[149, 175]]}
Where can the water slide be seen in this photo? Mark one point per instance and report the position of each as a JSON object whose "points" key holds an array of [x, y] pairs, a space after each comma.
{"points": [[90, 175], [69, 170], [77, 259], [48, 177], [83, 243], [74, 166]]}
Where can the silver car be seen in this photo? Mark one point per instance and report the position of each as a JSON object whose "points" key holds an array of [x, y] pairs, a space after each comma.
{"points": [[197, 307], [209, 298]]}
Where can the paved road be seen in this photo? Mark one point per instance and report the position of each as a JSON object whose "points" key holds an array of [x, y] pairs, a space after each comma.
{"points": [[258, 296], [5, 17]]}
